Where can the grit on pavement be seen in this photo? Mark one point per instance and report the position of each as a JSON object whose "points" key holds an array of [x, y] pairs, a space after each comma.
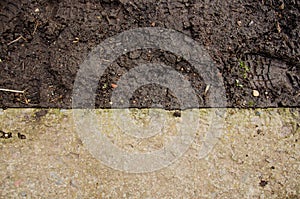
{"points": [[257, 156]]}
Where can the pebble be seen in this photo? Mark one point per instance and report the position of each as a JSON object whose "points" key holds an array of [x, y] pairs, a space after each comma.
{"points": [[255, 93], [257, 113], [251, 23], [21, 136], [177, 114], [281, 7], [134, 54]]}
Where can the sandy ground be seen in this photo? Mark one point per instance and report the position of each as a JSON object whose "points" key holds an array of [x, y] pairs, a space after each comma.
{"points": [[257, 156]]}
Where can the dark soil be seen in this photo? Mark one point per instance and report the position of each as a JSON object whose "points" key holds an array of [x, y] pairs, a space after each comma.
{"points": [[255, 45]]}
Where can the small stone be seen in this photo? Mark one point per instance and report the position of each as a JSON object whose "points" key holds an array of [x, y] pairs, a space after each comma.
{"points": [[37, 10], [255, 93], [134, 54], [5, 135], [257, 113], [41, 113], [281, 7], [251, 23], [278, 27], [263, 183], [23, 194], [177, 114], [21, 136], [239, 23]]}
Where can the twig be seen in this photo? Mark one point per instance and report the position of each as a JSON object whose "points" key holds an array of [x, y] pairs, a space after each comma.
{"points": [[35, 27], [10, 90], [21, 37], [206, 89]]}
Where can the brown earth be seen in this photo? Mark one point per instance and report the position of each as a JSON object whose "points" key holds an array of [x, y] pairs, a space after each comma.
{"points": [[255, 45]]}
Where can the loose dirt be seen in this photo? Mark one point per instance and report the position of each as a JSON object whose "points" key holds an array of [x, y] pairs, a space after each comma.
{"points": [[254, 44]]}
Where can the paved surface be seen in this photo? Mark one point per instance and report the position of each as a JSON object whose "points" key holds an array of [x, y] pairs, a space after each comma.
{"points": [[257, 156]]}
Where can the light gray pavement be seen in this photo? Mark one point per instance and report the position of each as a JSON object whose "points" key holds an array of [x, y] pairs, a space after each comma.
{"points": [[256, 156]]}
